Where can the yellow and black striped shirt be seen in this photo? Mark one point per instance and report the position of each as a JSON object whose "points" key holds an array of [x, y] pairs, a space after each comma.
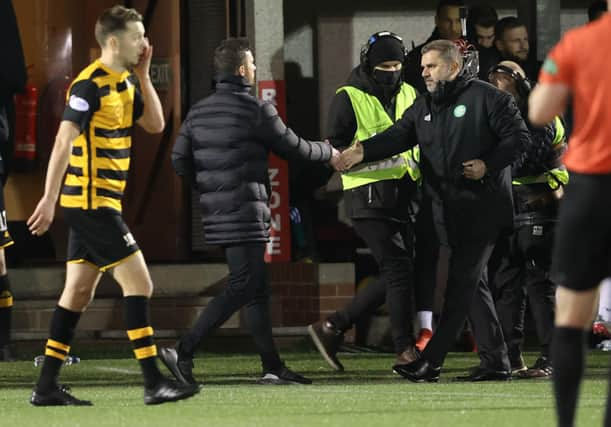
{"points": [[104, 104]]}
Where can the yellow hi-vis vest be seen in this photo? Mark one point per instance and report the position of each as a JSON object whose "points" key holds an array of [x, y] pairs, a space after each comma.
{"points": [[371, 118], [554, 177]]}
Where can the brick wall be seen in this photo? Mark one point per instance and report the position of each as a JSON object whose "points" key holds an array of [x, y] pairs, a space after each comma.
{"points": [[301, 294]]}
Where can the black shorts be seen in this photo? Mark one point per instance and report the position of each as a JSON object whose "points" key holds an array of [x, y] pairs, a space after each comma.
{"points": [[5, 237], [582, 249], [99, 237]]}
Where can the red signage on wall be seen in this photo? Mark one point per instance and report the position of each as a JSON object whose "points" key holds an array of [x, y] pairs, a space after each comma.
{"points": [[279, 245]]}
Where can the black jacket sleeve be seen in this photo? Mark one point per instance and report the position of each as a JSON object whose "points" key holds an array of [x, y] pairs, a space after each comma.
{"points": [[277, 137], [396, 139], [13, 75], [182, 153], [342, 125], [506, 122]]}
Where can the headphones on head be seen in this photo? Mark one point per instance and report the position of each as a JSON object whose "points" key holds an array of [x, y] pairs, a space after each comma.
{"points": [[523, 85], [372, 40]]}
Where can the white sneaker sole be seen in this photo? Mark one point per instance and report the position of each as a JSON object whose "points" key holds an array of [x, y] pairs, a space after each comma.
{"points": [[321, 349]]}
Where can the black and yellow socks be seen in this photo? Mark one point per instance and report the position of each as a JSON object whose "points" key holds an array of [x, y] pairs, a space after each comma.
{"points": [[63, 326], [140, 333], [6, 308]]}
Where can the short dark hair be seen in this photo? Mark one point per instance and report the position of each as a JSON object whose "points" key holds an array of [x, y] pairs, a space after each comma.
{"points": [[596, 9], [506, 24], [230, 54], [447, 50], [445, 3], [114, 20], [483, 15]]}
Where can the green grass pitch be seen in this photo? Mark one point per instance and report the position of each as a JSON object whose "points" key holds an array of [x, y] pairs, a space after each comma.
{"points": [[367, 394]]}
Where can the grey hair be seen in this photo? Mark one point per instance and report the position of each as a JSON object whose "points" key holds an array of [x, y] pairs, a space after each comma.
{"points": [[448, 51]]}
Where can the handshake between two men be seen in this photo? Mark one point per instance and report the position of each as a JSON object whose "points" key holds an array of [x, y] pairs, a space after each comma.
{"points": [[474, 169]]}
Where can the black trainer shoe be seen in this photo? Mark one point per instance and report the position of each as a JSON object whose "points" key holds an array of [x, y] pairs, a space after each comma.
{"points": [[168, 390], [517, 364], [541, 369], [283, 376], [327, 340], [481, 373], [58, 397], [180, 367]]}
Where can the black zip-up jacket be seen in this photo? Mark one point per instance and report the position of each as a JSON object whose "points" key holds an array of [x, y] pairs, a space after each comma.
{"points": [[13, 77], [388, 199], [224, 144], [464, 120]]}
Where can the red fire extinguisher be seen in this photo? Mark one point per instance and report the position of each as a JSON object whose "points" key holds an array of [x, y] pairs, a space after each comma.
{"points": [[26, 109]]}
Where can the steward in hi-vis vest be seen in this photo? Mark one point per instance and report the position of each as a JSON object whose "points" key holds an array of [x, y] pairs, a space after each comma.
{"points": [[523, 255], [378, 195]]}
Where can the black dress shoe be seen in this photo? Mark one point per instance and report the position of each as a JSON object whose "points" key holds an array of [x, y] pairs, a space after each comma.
{"points": [[486, 374], [419, 371]]}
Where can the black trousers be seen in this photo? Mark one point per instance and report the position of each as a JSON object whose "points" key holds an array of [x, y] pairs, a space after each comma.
{"points": [[523, 262], [427, 257], [467, 295], [391, 244], [246, 287]]}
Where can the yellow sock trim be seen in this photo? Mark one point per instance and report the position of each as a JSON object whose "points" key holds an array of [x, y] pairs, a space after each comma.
{"points": [[6, 302], [6, 245], [136, 334], [53, 353], [58, 345], [145, 352]]}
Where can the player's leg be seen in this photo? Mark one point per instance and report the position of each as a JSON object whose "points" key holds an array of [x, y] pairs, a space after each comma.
{"points": [[6, 309], [6, 297], [133, 276], [81, 281], [580, 261]]}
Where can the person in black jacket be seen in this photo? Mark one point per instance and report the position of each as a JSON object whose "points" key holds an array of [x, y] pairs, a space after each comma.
{"points": [[481, 21], [521, 261], [13, 77], [378, 204], [448, 26], [224, 145], [512, 42], [469, 133]]}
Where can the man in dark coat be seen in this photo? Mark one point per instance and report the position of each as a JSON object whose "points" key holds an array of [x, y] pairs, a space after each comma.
{"points": [[521, 262], [12, 80], [512, 42], [469, 133], [448, 26], [224, 145]]}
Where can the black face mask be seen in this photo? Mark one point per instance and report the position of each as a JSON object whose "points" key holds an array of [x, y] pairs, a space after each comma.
{"points": [[387, 78]]}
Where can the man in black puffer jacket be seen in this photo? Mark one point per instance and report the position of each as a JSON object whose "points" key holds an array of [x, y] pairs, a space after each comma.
{"points": [[469, 133], [223, 145]]}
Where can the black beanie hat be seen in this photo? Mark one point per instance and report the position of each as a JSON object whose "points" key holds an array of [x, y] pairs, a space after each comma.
{"points": [[386, 48]]}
